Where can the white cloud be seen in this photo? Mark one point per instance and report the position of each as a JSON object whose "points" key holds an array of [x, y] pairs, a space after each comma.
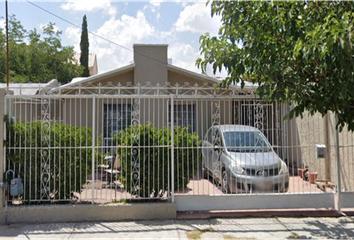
{"points": [[2, 24], [158, 16], [89, 6], [73, 35], [128, 30], [210, 72], [165, 37], [196, 18], [155, 3], [154, 8], [183, 3], [124, 31], [183, 55]]}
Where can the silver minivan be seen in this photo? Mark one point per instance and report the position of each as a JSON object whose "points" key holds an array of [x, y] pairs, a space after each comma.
{"points": [[242, 160]]}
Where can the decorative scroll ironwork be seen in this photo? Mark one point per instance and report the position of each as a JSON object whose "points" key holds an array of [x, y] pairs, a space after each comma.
{"points": [[135, 150], [215, 113], [186, 89], [259, 116], [237, 114], [216, 138], [45, 152]]}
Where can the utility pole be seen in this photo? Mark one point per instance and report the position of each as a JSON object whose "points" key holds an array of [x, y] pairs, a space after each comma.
{"points": [[7, 48]]}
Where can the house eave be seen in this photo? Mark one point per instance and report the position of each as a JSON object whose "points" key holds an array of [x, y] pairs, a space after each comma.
{"points": [[95, 77], [247, 87]]}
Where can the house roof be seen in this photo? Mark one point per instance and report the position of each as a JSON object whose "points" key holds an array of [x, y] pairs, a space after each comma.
{"points": [[190, 73], [25, 88], [81, 80], [248, 85]]}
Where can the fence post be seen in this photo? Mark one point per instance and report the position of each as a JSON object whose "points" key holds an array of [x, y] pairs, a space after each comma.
{"points": [[2, 153], [328, 149], [93, 146], [337, 157], [172, 152]]}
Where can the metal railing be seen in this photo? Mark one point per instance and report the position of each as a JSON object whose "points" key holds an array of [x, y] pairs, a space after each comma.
{"points": [[102, 144]]}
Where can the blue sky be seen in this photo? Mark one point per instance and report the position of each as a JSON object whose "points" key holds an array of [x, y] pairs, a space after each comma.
{"points": [[176, 23]]}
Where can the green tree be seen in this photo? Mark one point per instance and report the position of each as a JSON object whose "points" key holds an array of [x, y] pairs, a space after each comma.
{"points": [[297, 52], [36, 58], [84, 47], [2, 57]]}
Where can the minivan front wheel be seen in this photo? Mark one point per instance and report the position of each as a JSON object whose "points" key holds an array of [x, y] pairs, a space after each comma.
{"points": [[225, 182]]}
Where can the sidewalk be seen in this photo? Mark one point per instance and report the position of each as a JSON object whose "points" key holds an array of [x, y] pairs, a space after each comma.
{"points": [[240, 228]]}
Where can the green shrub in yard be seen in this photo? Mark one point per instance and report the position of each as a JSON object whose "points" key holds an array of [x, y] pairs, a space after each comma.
{"points": [[146, 159], [68, 162]]}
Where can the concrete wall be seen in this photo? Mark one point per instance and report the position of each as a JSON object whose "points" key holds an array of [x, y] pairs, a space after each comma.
{"points": [[346, 142], [150, 63], [309, 131], [87, 213], [306, 133], [122, 78], [252, 202]]}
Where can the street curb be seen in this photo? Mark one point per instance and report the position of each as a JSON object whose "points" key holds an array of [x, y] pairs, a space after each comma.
{"points": [[188, 215]]}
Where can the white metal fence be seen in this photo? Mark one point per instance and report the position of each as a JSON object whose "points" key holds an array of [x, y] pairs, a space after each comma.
{"points": [[103, 144]]}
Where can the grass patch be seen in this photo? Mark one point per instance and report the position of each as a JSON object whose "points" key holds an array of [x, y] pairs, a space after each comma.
{"points": [[196, 234]]}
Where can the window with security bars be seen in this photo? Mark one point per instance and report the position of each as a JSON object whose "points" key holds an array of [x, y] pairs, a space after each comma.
{"points": [[183, 116], [117, 117]]}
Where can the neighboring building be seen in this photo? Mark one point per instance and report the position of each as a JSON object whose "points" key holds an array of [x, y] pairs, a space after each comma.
{"points": [[93, 68]]}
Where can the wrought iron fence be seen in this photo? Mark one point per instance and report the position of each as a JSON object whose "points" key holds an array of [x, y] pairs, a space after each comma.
{"points": [[118, 143]]}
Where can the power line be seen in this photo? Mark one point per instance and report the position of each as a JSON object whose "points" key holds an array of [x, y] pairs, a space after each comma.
{"points": [[73, 24], [94, 34]]}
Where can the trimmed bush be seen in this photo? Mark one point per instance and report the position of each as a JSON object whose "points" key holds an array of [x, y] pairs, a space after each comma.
{"points": [[68, 158], [145, 155]]}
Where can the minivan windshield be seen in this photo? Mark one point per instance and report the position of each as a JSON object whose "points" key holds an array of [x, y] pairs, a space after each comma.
{"points": [[250, 141]]}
